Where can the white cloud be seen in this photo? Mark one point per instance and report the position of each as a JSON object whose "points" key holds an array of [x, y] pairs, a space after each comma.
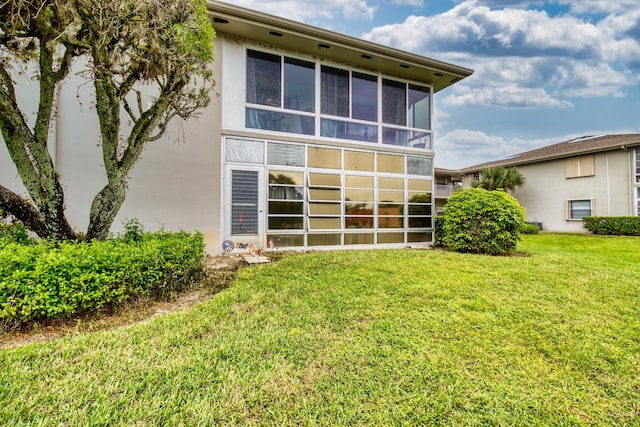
{"points": [[580, 7], [308, 10], [416, 3], [506, 97]]}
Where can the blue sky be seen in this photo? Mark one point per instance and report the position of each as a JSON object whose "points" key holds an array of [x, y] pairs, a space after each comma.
{"points": [[545, 70]]}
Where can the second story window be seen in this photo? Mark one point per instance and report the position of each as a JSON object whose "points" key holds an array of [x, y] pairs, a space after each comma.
{"points": [[282, 96], [283, 83]]}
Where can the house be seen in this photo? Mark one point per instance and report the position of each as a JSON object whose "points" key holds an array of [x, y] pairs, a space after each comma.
{"points": [[314, 140], [586, 176]]}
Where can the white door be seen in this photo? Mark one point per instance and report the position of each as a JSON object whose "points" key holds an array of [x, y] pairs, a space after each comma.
{"points": [[244, 210]]}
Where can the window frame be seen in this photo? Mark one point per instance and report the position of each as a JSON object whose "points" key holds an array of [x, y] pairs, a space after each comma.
{"points": [[352, 126], [570, 208]]}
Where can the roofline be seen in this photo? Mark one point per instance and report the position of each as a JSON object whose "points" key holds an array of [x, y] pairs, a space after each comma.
{"points": [[509, 163], [223, 10]]}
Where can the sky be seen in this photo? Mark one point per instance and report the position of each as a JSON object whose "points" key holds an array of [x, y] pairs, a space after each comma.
{"points": [[545, 71]]}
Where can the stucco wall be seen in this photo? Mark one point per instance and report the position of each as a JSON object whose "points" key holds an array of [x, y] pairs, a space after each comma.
{"points": [[175, 185], [546, 190]]}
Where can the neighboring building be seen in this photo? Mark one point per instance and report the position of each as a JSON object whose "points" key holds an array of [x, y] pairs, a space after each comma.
{"points": [[447, 181], [316, 139], [587, 176]]}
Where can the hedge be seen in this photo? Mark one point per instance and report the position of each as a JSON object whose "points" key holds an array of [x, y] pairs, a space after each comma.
{"points": [[47, 282], [616, 225]]}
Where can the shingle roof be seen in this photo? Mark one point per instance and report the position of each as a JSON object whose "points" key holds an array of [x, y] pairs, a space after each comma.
{"points": [[573, 147]]}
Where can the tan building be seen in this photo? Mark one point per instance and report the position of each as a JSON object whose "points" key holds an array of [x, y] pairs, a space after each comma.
{"points": [[316, 139], [587, 176]]}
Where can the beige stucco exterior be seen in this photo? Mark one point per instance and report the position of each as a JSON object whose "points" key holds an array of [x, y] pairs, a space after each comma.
{"points": [[546, 191]]}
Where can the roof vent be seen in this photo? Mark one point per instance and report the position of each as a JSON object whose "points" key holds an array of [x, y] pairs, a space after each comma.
{"points": [[220, 21]]}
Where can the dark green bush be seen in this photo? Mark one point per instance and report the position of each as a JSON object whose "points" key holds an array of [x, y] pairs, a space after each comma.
{"points": [[438, 230], [529, 229], [46, 281], [481, 221], [615, 225]]}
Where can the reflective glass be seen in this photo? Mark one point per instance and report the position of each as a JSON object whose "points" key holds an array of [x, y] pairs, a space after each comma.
{"points": [[419, 107], [327, 158], [286, 223], [390, 222], [390, 196], [364, 97], [390, 237], [286, 240], [358, 238], [280, 122], [324, 179], [419, 237], [348, 130], [324, 223], [390, 164], [324, 194], [334, 91], [325, 209], [358, 222], [391, 183], [299, 85], [286, 193], [394, 102], [323, 239], [285, 154], [263, 78], [286, 208], [286, 177], [358, 209], [358, 181], [358, 161], [358, 195]]}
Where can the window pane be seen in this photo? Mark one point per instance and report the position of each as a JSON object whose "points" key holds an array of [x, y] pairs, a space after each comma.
{"points": [[358, 181], [420, 166], [358, 222], [324, 194], [358, 195], [286, 240], [365, 97], [286, 223], [419, 222], [420, 185], [358, 161], [334, 91], [391, 196], [285, 154], [246, 151], [390, 163], [420, 198], [348, 130], [394, 102], [323, 239], [286, 193], [325, 223], [419, 107], [391, 183], [390, 237], [263, 78], [323, 179], [325, 209], [390, 209], [286, 177], [279, 122], [358, 208], [327, 158], [390, 222], [286, 208], [419, 237], [580, 208], [299, 85], [358, 239]]}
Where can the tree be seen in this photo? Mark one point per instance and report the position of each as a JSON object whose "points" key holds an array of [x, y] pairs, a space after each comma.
{"points": [[481, 221], [498, 177], [162, 46]]}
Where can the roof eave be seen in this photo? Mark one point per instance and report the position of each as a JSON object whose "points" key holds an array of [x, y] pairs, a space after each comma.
{"points": [[284, 33]]}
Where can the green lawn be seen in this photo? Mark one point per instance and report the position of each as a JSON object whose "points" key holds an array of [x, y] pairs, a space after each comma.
{"points": [[390, 337]]}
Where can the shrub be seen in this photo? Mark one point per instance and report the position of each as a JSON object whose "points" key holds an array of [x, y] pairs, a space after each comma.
{"points": [[481, 221], [616, 225], [45, 281], [13, 231], [438, 230], [529, 229]]}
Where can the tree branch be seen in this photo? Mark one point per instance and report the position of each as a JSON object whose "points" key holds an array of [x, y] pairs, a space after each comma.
{"points": [[23, 210]]}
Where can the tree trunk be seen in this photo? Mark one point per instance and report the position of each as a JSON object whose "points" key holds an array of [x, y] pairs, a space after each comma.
{"points": [[104, 209]]}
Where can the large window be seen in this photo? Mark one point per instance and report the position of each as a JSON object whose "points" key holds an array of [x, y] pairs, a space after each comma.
{"points": [[284, 84], [578, 209], [282, 96]]}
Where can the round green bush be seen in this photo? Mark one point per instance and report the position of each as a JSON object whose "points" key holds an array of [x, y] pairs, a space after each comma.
{"points": [[481, 221]]}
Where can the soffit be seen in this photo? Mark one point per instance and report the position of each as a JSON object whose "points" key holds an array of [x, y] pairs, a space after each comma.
{"points": [[295, 36]]}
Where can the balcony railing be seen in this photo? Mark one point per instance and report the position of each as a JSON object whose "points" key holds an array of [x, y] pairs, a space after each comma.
{"points": [[443, 191]]}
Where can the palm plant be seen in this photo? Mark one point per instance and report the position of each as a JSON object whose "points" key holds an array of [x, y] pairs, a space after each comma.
{"points": [[499, 177]]}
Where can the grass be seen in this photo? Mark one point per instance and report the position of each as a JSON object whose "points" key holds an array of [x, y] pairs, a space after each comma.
{"points": [[393, 337]]}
